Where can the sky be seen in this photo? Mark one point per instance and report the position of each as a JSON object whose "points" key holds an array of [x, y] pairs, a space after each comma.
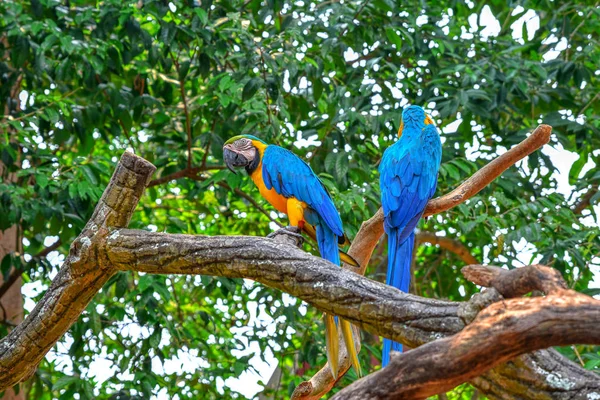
{"points": [[247, 384]]}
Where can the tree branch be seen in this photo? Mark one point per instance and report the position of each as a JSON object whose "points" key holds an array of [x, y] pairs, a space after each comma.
{"points": [[586, 199], [79, 279], [453, 246], [505, 329], [374, 306], [501, 332], [483, 177], [184, 173], [103, 248], [370, 232], [516, 282], [16, 273]]}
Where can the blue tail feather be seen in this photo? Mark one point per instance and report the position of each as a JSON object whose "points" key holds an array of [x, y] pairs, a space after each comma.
{"points": [[328, 243], [398, 276]]}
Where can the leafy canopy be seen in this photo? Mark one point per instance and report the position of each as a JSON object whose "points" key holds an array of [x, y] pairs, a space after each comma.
{"points": [[82, 81]]}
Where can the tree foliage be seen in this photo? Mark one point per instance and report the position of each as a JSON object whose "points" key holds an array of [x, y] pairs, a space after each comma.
{"points": [[83, 81]]}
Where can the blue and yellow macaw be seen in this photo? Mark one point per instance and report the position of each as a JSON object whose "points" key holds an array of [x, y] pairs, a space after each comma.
{"points": [[408, 179], [291, 186]]}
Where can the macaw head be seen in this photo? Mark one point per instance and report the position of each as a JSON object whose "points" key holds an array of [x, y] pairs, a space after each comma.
{"points": [[414, 117], [243, 151]]}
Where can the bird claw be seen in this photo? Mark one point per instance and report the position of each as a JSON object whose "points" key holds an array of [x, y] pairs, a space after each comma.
{"points": [[289, 231]]}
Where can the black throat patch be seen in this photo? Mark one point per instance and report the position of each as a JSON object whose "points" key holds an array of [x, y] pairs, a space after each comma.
{"points": [[250, 168]]}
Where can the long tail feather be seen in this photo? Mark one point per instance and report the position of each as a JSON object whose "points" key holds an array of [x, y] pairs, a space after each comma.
{"points": [[398, 275], [331, 342], [346, 258], [349, 340], [328, 247]]}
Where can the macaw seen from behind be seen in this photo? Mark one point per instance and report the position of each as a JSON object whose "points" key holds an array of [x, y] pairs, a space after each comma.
{"points": [[291, 186], [408, 179]]}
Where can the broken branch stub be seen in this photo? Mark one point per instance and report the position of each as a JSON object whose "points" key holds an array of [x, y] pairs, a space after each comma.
{"points": [[516, 282], [81, 276], [499, 333]]}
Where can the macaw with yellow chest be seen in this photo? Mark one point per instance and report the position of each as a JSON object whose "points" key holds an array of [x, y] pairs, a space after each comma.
{"points": [[291, 186], [408, 179]]}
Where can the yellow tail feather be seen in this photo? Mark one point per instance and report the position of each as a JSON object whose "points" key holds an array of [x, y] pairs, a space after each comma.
{"points": [[333, 347], [349, 340], [348, 259]]}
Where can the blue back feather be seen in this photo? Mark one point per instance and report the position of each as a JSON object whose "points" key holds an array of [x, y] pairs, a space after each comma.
{"points": [[408, 179], [291, 177]]}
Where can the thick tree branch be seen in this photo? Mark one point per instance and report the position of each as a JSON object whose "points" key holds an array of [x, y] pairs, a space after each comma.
{"points": [[516, 282], [374, 306], [469, 188], [79, 279], [500, 332], [370, 233], [505, 329], [101, 250]]}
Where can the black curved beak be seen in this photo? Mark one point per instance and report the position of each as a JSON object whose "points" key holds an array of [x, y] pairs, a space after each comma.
{"points": [[233, 159]]}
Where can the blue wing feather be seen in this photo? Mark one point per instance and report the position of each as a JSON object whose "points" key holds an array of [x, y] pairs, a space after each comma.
{"points": [[291, 177], [408, 179]]}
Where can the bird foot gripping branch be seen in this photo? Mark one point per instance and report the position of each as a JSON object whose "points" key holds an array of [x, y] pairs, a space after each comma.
{"points": [[289, 234]]}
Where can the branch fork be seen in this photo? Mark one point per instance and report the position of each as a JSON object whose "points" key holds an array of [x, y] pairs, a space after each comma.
{"points": [[436, 330]]}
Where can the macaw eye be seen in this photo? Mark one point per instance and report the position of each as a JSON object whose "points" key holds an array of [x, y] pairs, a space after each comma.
{"points": [[242, 143]]}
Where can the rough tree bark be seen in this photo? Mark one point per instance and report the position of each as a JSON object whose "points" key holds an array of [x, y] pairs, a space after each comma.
{"points": [[105, 247], [11, 301], [369, 235], [498, 329], [79, 279]]}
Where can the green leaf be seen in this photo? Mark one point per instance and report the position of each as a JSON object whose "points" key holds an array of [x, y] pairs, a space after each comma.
{"points": [[330, 161], [393, 37], [317, 89], [201, 14], [184, 67], [42, 180], [576, 168], [5, 265], [145, 282], [20, 51], [89, 174], [233, 180], [272, 88], [225, 83], [65, 381], [341, 165], [452, 171], [540, 71], [250, 88], [51, 115]]}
